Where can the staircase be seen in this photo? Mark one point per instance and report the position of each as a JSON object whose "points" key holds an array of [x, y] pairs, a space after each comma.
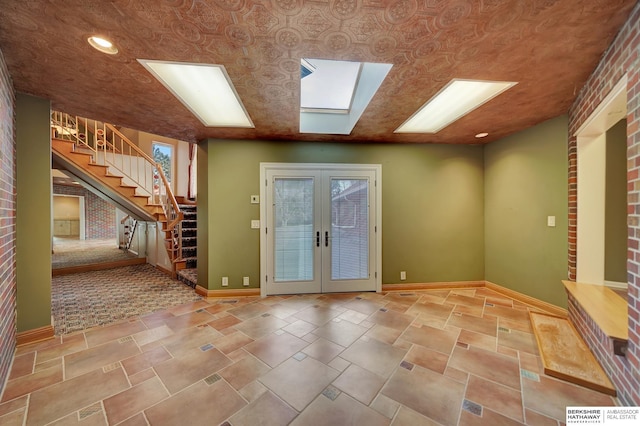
{"points": [[117, 170], [101, 178], [187, 270]]}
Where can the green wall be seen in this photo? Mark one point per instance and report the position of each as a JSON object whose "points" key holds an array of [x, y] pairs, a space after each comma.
{"points": [[615, 226], [203, 212], [432, 206], [33, 223], [526, 181]]}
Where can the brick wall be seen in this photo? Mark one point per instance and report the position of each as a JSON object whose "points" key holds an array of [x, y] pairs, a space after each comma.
{"points": [[7, 223], [621, 58], [100, 216]]}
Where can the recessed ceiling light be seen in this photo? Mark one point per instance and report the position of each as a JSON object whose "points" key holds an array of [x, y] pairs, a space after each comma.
{"points": [[205, 89], [482, 135], [103, 45], [458, 98]]}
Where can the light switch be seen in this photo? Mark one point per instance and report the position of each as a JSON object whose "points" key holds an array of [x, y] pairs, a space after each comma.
{"points": [[255, 224], [255, 199], [551, 221]]}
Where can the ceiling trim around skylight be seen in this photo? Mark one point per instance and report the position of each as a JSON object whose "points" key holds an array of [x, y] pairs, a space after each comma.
{"points": [[457, 99], [205, 89]]}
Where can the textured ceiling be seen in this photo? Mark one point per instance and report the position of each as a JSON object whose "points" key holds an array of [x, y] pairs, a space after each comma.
{"points": [[549, 46]]}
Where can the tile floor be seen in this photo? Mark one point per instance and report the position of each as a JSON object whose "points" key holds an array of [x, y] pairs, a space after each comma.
{"points": [[448, 357]]}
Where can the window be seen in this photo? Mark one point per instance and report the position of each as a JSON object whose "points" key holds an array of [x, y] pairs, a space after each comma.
{"points": [[163, 154]]}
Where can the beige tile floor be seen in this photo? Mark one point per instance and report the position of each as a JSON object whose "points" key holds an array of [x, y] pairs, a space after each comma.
{"points": [[448, 357]]}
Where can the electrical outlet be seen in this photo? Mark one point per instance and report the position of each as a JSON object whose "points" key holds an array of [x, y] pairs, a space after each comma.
{"points": [[225, 281], [403, 275], [245, 281]]}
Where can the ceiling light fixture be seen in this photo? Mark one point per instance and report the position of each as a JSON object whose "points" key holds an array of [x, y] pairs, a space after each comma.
{"points": [[458, 98], [482, 135], [103, 45], [205, 89]]}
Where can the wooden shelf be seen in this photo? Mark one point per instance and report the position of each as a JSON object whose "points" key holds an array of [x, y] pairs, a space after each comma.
{"points": [[604, 306]]}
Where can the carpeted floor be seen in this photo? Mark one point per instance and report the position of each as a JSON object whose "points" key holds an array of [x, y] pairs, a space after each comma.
{"points": [[84, 300], [68, 252]]}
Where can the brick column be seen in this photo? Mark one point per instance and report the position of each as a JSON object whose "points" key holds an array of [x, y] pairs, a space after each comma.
{"points": [[622, 58], [7, 223]]}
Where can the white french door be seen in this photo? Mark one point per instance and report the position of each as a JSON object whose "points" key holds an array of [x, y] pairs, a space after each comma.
{"points": [[320, 228]]}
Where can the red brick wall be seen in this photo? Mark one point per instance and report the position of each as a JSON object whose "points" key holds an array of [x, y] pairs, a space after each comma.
{"points": [[621, 58], [7, 223], [100, 216]]}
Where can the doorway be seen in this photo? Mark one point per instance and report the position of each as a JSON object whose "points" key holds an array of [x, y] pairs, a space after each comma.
{"points": [[321, 228]]}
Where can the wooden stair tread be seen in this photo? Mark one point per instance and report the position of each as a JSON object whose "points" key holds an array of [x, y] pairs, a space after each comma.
{"points": [[566, 356]]}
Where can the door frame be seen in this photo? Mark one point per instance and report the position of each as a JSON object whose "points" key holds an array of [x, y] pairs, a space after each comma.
{"points": [[377, 189]]}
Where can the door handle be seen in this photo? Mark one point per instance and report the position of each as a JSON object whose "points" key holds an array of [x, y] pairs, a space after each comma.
{"points": [[326, 238], [318, 239]]}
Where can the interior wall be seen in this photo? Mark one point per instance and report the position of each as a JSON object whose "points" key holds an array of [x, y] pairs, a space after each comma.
{"points": [[8, 220], [33, 247], [592, 197], [66, 207], [432, 206], [525, 182], [66, 216], [615, 215], [204, 241], [100, 216]]}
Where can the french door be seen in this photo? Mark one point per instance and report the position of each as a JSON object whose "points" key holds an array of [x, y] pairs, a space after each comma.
{"points": [[321, 228]]}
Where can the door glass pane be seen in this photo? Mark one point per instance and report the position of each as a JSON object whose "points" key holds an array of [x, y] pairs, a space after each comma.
{"points": [[294, 239], [349, 229]]}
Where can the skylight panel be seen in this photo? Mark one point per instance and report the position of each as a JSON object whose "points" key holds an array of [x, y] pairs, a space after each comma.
{"points": [[205, 89], [328, 86], [338, 93], [458, 98]]}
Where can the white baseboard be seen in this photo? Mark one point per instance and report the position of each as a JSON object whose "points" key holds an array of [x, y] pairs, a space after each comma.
{"points": [[616, 284]]}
